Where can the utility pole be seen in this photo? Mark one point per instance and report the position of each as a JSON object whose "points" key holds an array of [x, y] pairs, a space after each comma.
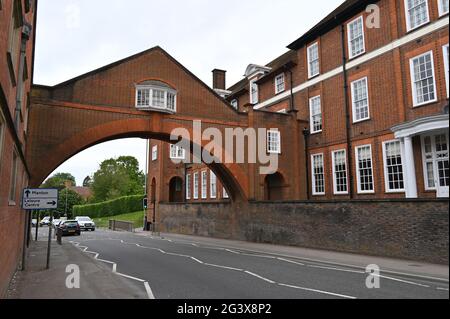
{"points": [[65, 208], [147, 154]]}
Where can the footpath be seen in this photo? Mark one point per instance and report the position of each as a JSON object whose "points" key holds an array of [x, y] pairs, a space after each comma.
{"points": [[97, 281]]}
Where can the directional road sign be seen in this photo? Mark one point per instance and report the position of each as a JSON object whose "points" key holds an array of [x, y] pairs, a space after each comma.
{"points": [[39, 198]]}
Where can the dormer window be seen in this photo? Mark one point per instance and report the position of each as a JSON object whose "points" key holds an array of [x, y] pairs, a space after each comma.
{"points": [[254, 92], [155, 96]]}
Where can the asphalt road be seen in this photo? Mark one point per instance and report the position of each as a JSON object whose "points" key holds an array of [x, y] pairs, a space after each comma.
{"points": [[181, 269]]}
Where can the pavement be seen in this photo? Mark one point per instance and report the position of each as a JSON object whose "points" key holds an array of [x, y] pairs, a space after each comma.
{"points": [[97, 281], [143, 265]]}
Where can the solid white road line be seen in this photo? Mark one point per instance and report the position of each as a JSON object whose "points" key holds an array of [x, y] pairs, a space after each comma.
{"points": [[149, 291], [403, 281], [318, 291], [249, 273], [306, 259], [260, 277], [114, 270]]}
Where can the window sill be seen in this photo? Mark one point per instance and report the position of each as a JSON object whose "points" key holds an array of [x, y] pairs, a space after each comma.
{"points": [[424, 104], [341, 194], [350, 58], [12, 203], [361, 121], [366, 193], [310, 77], [315, 133], [410, 30]]}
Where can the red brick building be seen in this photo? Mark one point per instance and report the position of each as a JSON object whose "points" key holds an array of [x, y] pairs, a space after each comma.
{"points": [[360, 103], [17, 29], [370, 87]]}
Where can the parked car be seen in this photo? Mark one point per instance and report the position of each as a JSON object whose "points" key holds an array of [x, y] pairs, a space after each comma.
{"points": [[86, 223], [55, 223], [33, 222], [45, 221], [69, 227]]}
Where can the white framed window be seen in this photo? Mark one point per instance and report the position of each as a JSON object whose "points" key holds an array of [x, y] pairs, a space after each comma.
{"points": [[188, 186], [212, 185], [355, 33], [177, 152], [313, 60], [446, 63], [393, 167], [225, 193], [204, 184], [254, 92], [416, 13], [423, 79], [235, 104], [13, 183], [435, 158], [318, 174], [315, 114], [154, 152], [161, 98], [364, 169], [196, 185], [340, 181], [360, 100], [273, 142], [443, 7], [280, 84]]}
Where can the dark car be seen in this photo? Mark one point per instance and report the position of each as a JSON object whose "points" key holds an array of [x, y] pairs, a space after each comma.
{"points": [[69, 227]]}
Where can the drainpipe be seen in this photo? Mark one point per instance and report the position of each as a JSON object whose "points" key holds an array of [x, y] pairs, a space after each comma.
{"points": [[26, 31], [292, 106], [347, 116], [306, 135]]}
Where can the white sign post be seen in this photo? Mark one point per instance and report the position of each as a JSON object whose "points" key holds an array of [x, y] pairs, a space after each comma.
{"points": [[39, 199]]}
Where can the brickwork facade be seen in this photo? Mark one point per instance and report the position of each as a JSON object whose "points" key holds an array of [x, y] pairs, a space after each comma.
{"points": [[17, 29]]}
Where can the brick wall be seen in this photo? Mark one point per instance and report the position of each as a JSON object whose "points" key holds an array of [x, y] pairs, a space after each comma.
{"points": [[407, 229]]}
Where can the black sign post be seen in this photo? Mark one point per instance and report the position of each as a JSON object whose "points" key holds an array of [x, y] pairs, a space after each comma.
{"points": [[49, 246]]}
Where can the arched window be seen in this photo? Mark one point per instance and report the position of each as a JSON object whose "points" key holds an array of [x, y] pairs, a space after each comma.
{"points": [[156, 96]]}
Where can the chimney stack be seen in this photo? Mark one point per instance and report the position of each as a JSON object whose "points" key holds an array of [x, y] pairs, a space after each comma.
{"points": [[219, 79]]}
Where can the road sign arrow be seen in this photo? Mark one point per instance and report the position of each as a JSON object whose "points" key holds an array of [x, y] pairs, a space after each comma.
{"points": [[51, 203], [27, 192]]}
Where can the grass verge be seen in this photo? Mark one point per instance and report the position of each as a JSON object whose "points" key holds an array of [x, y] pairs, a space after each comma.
{"points": [[137, 218]]}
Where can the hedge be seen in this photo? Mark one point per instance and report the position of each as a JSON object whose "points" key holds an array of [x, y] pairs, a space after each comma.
{"points": [[118, 206]]}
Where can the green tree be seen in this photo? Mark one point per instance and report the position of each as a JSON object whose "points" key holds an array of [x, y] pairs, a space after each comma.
{"points": [[116, 178], [59, 181], [69, 197]]}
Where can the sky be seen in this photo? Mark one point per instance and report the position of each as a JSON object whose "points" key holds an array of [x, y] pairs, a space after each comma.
{"points": [[77, 36]]}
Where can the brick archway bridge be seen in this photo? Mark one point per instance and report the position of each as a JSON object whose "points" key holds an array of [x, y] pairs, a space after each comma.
{"points": [[101, 105]]}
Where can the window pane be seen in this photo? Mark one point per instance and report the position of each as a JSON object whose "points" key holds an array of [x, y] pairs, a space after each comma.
{"points": [[365, 171], [423, 80], [340, 172], [356, 37], [318, 175], [316, 114], [394, 167], [417, 12], [360, 100]]}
